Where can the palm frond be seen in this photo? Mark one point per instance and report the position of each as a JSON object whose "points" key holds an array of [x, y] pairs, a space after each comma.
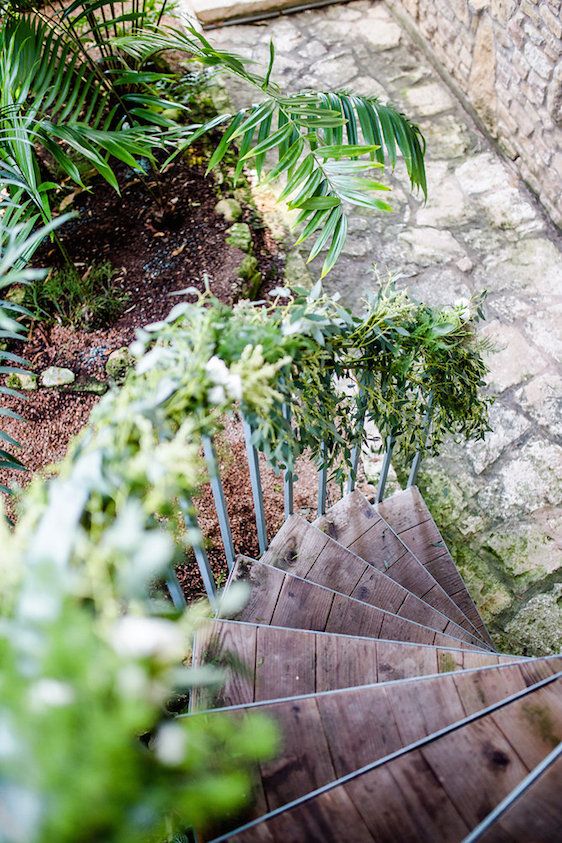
{"points": [[327, 144]]}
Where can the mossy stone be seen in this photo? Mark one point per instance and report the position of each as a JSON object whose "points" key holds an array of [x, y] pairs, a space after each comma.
{"points": [[27, 382], [230, 209], [248, 271], [16, 294], [118, 364], [240, 236], [55, 376]]}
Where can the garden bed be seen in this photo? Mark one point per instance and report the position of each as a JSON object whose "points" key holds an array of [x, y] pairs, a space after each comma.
{"points": [[153, 255]]}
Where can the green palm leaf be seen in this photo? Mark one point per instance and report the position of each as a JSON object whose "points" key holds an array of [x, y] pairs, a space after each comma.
{"points": [[326, 143]]}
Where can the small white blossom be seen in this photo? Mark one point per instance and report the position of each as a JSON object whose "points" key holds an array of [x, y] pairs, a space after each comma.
{"points": [[221, 376], [216, 395], [217, 370], [137, 637], [170, 744], [50, 693]]}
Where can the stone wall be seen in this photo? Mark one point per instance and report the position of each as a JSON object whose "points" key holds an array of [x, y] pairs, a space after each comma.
{"points": [[505, 58]]}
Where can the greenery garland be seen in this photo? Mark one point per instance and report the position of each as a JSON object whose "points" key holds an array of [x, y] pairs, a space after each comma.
{"points": [[87, 659]]}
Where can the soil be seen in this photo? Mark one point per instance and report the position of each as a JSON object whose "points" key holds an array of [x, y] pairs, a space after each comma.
{"points": [[154, 256]]}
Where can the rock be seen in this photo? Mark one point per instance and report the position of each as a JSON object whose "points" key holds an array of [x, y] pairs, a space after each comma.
{"points": [[57, 376], [380, 30], [27, 382], [482, 80], [482, 173], [440, 286], [507, 426], [240, 236], [118, 364], [515, 360], [89, 387], [542, 399], [430, 246], [537, 627], [251, 276], [544, 328], [447, 204], [230, 209], [335, 72], [428, 99], [447, 137], [296, 272], [507, 209], [533, 262], [16, 294], [530, 480], [465, 264]]}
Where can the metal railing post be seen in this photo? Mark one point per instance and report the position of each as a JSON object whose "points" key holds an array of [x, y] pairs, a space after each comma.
{"points": [[218, 497], [385, 468], [255, 481], [416, 462], [201, 557], [288, 501], [175, 591], [322, 482]]}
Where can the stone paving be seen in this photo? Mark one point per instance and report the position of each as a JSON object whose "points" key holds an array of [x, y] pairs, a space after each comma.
{"points": [[498, 501]]}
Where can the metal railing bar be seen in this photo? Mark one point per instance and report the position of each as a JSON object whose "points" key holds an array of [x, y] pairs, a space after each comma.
{"points": [[255, 482], [322, 482], [219, 499], [416, 462], [288, 501], [201, 557], [175, 590], [380, 762], [385, 468], [514, 795], [356, 450]]}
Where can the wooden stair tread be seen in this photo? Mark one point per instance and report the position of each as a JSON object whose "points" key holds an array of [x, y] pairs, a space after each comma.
{"points": [[532, 812], [283, 599], [302, 549], [357, 525], [264, 662], [408, 515], [436, 789]]}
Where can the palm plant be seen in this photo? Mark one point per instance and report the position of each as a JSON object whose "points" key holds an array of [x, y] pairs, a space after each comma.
{"points": [[326, 143], [19, 238], [58, 96]]}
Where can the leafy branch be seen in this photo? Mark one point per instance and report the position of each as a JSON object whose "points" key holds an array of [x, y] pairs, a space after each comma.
{"points": [[321, 139]]}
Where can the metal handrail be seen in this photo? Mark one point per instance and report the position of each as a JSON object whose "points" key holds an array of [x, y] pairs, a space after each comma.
{"points": [[253, 459]]}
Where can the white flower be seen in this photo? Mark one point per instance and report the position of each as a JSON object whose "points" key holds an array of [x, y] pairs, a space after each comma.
{"points": [[216, 395], [217, 370], [50, 693], [137, 637], [170, 744], [221, 376], [132, 681], [234, 386]]}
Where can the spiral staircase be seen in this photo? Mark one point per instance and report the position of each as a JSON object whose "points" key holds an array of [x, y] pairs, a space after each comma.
{"points": [[398, 720]]}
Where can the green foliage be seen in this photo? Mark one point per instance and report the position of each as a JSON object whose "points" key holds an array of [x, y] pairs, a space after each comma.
{"points": [[64, 91], [87, 660], [327, 144], [83, 301]]}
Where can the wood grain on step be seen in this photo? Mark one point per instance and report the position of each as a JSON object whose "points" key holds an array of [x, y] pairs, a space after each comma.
{"points": [[303, 550], [355, 524], [438, 790], [271, 662]]}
